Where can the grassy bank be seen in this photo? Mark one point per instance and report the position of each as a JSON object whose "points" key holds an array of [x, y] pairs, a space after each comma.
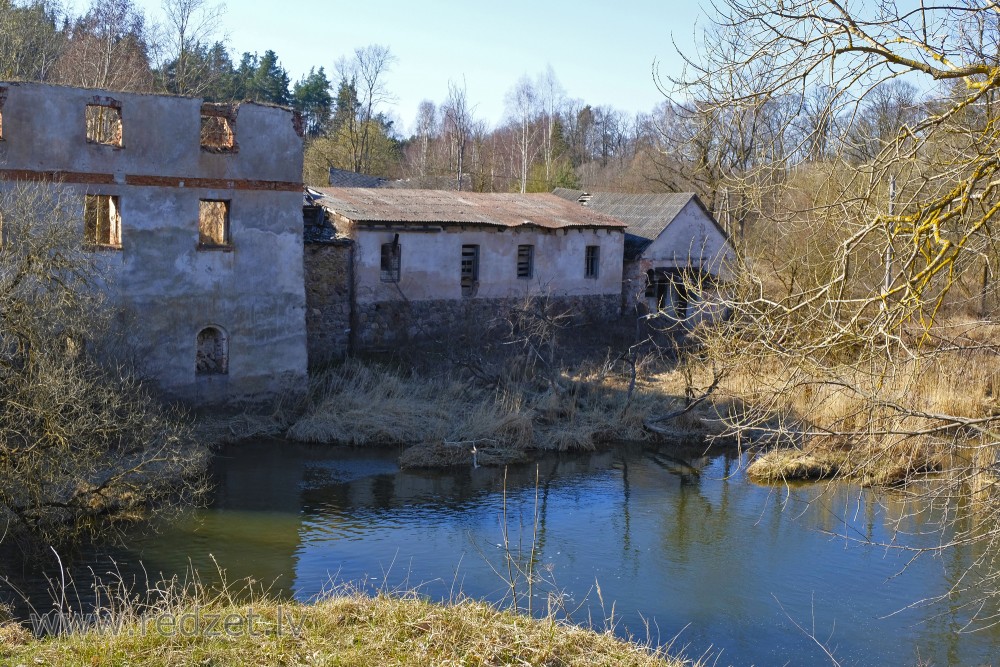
{"points": [[443, 416], [347, 629]]}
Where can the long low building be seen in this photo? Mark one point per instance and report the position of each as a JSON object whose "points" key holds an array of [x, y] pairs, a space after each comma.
{"points": [[425, 262]]}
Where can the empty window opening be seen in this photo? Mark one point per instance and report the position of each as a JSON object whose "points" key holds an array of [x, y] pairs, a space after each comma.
{"points": [[666, 291], [212, 357], [218, 128], [390, 261], [592, 261], [470, 269], [102, 221], [213, 223], [525, 261], [104, 122]]}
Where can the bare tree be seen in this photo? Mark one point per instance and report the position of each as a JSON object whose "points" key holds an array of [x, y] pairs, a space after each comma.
{"points": [[426, 126], [817, 124], [366, 72], [522, 106], [551, 96], [887, 108], [30, 41], [191, 24], [457, 125], [80, 442], [107, 48], [825, 351]]}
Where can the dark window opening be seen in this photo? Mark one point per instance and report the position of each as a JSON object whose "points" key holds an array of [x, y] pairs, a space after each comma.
{"points": [[525, 261], [104, 122], [102, 221], [212, 356], [218, 128], [592, 261], [470, 269], [213, 223], [669, 292], [390, 261]]}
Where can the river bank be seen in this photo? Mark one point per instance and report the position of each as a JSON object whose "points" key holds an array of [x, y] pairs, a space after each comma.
{"points": [[348, 628], [491, 404]]}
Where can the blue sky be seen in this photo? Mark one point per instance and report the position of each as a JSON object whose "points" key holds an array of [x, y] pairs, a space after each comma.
{"points": [[601, 52]]}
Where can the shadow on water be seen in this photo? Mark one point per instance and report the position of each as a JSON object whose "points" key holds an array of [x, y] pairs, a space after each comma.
{"points": [[674, 538]]}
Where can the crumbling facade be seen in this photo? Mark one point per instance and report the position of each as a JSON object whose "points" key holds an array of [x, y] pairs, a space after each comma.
{"points": [[427, 263], [676, 254], [195, 209]]}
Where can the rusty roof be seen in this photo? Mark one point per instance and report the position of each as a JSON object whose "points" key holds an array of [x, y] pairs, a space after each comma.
{"points": [[445, 207]]}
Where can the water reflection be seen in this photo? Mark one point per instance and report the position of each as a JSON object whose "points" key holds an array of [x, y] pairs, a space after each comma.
{"points": [[681, 541]]}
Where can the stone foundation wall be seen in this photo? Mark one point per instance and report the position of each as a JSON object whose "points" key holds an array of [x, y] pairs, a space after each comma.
{"points": [[387, 323], [634, 287], [328, 300]]}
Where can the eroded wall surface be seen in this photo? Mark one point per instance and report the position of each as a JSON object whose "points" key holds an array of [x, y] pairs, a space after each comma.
{"points": [[428, 300], [692, 240], [328, 300], [171, 287], [430, 263]]}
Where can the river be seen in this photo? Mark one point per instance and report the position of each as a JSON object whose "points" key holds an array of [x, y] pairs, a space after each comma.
{"points": [[664, 545]]}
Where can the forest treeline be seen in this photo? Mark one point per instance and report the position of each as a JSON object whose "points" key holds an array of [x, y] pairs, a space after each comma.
{"points": [[547, 139]]}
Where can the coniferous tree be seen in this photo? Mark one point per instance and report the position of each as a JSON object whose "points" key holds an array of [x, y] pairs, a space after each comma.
{"points": [[311, 97]]}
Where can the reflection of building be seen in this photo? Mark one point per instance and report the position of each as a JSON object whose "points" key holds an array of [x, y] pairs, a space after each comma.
{"points": [[675, 251], [426, 260], [195, 210]]}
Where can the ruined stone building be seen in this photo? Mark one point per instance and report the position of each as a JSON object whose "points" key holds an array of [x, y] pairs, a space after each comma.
{"points": [[676, 254], [422, 262], [196, 211]]}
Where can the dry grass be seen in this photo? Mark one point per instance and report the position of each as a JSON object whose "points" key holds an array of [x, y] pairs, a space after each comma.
{"points": [[366, 404], [879, 425], [347, 628], [783, 465]]}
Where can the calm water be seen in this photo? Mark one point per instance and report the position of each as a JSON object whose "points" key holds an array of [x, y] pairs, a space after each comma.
{"points": [[683, 546]]}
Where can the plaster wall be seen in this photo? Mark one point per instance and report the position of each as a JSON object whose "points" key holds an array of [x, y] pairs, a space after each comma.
{"points": [[692, 240], [170, 288], [430, 265]]}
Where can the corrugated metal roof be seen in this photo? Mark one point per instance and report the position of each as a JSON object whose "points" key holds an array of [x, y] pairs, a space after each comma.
{"points": [[443, 207], [566, 193], [341, 178], [646, 215]]}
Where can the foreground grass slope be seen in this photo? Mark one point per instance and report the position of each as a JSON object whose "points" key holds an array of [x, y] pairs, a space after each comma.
{"points": [[349, 629]]}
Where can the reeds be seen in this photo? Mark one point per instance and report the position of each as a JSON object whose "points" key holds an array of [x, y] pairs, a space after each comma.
{"points": [[366, 404]]}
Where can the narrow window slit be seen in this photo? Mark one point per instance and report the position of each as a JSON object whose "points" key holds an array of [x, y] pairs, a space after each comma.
{"points": [[470, 269], [390, 261], [525, 261], [592, 261]]}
